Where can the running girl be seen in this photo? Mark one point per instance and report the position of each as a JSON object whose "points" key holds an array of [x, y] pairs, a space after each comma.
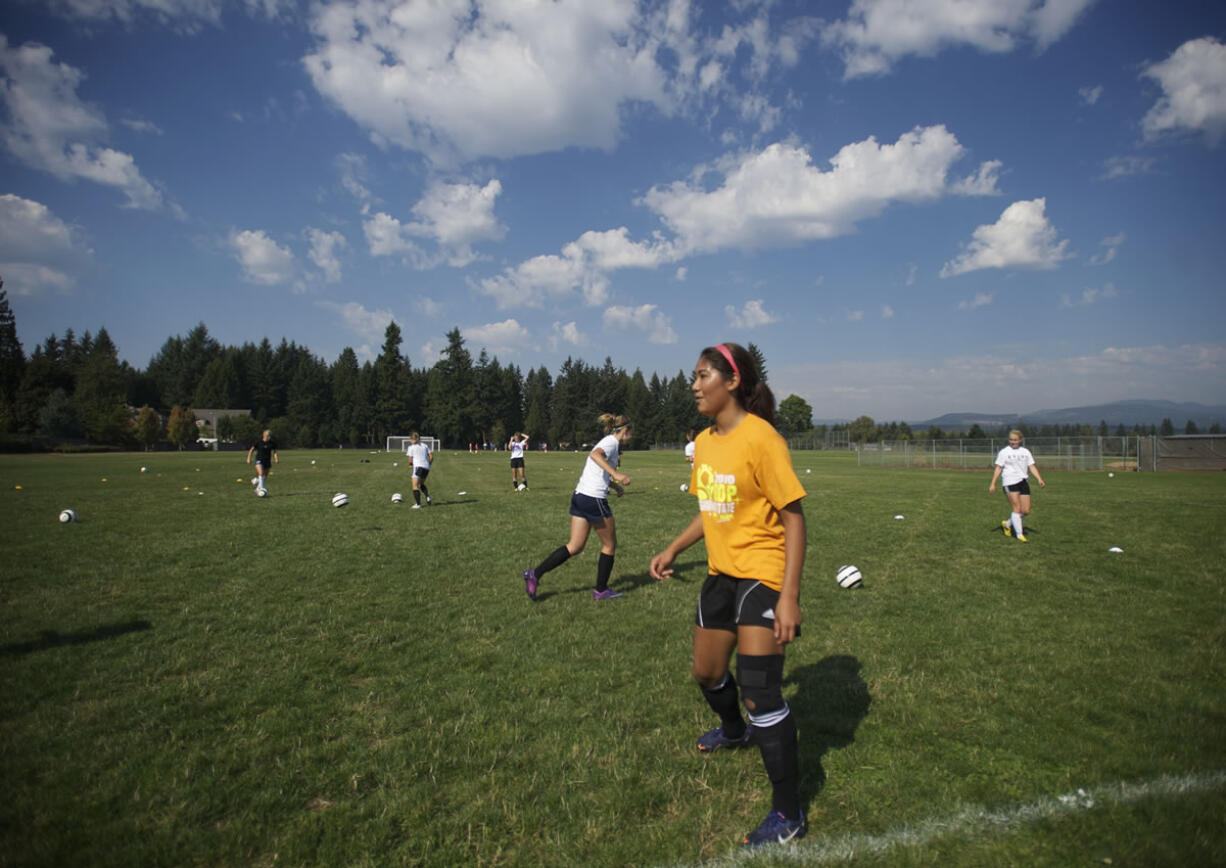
{"points": [[1012, 465], [423, 458], [265, 450], [589, 509], [750, 516]]}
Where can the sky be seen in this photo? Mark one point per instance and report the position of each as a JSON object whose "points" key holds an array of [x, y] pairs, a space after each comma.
{"points": [[912, 207]]}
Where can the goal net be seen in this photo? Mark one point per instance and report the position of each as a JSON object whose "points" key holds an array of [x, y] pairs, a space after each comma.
{"points": [[400, 443], [1056, 453]]}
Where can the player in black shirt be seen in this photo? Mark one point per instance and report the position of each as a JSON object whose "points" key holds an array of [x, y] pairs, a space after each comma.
{"points": [[265, 450]]}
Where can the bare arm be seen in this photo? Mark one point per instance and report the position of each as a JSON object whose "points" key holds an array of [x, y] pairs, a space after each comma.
{"points": [[597, 455], [995, 476], [787, 610], [1034, 468], [661, 564], [249, 451]]}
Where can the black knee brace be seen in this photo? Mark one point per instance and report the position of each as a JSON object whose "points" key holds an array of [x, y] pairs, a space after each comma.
{"points": [[761, 678]]}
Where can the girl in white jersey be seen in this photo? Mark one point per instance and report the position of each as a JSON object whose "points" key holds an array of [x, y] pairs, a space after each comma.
{"points": [[519, 442], [589, 509], [1013, 463], [422, 459]]}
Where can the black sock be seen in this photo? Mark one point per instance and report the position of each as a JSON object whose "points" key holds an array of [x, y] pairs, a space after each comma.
{"points": [[556, 558], [780, 755], [725, 702], [604, 569], [426, 492], [417, 496]]}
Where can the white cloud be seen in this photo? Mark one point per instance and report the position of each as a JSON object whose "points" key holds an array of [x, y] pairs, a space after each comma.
{"points": [[646, 318], [370, 326], [911, 274], [262, 259], [751, 316], [1122, 167], [453, 217], [981, 299], [1112, 244], [681, 274], [1021, 238], [323, 252], [504, 337], [1090, 95], [490, 79], [777, 197], [186, 14], [876, 34], [352, 168], [855, 315], [427, 306], [887, 312], [1089, 296], [38, 250], [52, 130], [567, 333], [1193, 82]]}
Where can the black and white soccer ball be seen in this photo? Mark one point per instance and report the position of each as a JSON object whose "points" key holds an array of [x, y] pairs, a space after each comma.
{"points": [[340, 499], [68, 515], [849, 577], [397, 497]]}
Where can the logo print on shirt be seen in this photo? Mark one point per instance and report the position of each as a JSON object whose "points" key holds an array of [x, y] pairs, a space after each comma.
{"points": [[716, 493]]}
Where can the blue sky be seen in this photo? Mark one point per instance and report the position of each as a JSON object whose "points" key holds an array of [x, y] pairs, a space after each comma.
{"points": [[912, 206]]}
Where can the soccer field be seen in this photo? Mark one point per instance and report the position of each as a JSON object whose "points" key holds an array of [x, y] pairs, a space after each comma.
{"points": [[191, 675]]}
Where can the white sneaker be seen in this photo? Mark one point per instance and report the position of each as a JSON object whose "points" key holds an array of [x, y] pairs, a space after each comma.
{"points": [[417, 506]]}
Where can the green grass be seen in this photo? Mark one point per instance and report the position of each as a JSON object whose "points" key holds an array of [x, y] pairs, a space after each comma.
{"points": [[193, 676]]}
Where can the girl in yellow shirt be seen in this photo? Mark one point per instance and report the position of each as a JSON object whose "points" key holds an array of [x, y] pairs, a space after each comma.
{"points": [[750, 517]]}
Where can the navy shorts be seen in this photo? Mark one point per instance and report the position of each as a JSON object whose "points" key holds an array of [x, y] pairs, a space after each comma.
{"points": [[1022, 487], [594, 509], [726, 603], [517, 462], [421, 473]]}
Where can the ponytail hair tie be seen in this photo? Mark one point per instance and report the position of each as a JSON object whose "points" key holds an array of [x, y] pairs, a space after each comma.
{"points": [[723, 351]]}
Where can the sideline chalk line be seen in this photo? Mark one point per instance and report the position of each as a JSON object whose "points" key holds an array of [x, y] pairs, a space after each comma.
{"points": [[972, 820]]}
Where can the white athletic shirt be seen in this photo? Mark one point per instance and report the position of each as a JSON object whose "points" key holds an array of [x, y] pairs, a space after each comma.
{"points": [[689, 451], [420, 453], [517, 448], [1014, 464], [595, 481]]}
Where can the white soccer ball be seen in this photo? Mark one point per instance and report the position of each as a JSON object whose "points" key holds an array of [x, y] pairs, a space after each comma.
{"points": [[68, 515], [849, 577], [397, 497], [312, 460], [807, 470], [395, 464], [1114, 549], [523, 486], [1111, 475], [898, 518], [340, 499], [684, 487], [144, 470], [262, 492]]}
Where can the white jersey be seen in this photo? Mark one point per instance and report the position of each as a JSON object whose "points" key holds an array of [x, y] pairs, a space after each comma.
{"points": [[517, 448], [420, 453], [595, 481], [1014, 464], [689, 452]]}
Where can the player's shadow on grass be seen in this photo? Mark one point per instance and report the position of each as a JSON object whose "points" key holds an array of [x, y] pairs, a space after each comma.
{"points": [[53, 639], [830, 701], [624, 584]]}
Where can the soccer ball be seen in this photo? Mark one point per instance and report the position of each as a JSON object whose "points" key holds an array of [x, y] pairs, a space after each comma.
{"points": [[68, 515], [684, 487], [523, 486], [849, 577], [397, 497], [144, 470], [312, 460], [340, 499], [262, 492]]}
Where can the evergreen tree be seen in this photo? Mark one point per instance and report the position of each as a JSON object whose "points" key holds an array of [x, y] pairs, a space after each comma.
{"points": [[538, 396], [758, 359], [450, 393], [345, 398], [101, 392], [12, 365], [149, 427], [391, 409]]}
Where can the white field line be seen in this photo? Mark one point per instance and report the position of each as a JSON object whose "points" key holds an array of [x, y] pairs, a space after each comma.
{"points": [[969, 822]]}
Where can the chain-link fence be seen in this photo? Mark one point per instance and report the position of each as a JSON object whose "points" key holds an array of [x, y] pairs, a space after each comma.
{"points": [[1060, 453]]}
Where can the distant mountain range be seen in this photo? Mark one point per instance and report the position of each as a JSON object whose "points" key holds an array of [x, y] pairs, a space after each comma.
{"points": [[1126, 413]]}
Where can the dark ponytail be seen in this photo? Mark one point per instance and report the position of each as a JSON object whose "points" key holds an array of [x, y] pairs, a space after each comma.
{"points": [[753, 394]]}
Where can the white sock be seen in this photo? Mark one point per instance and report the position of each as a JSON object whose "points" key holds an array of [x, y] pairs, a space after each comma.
{"points": [[1016, 518]]}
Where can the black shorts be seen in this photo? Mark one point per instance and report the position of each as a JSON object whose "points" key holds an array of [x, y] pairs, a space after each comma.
{"points": [[594, 509], [421, 473], [517, 462], [726, 603], [1022, 487]]}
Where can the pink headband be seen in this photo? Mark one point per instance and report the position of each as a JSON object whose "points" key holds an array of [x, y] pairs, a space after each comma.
{"points": [[723, 351]]}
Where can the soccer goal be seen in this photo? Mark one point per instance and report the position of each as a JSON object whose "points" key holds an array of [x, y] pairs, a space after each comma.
{"points": [[400, 443]]}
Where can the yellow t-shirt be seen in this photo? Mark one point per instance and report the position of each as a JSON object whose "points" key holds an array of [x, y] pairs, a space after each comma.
{"points": [[742, 480]]}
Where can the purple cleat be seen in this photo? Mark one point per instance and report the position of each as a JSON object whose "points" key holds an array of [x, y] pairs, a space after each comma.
{"points": [[530, 584]]}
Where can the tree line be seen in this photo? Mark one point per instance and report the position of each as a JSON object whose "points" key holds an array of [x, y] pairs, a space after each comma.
{"points": [[77, 390]]}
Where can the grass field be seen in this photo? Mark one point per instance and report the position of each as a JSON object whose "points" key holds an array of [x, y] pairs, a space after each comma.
{"points": [[194, 676]]}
